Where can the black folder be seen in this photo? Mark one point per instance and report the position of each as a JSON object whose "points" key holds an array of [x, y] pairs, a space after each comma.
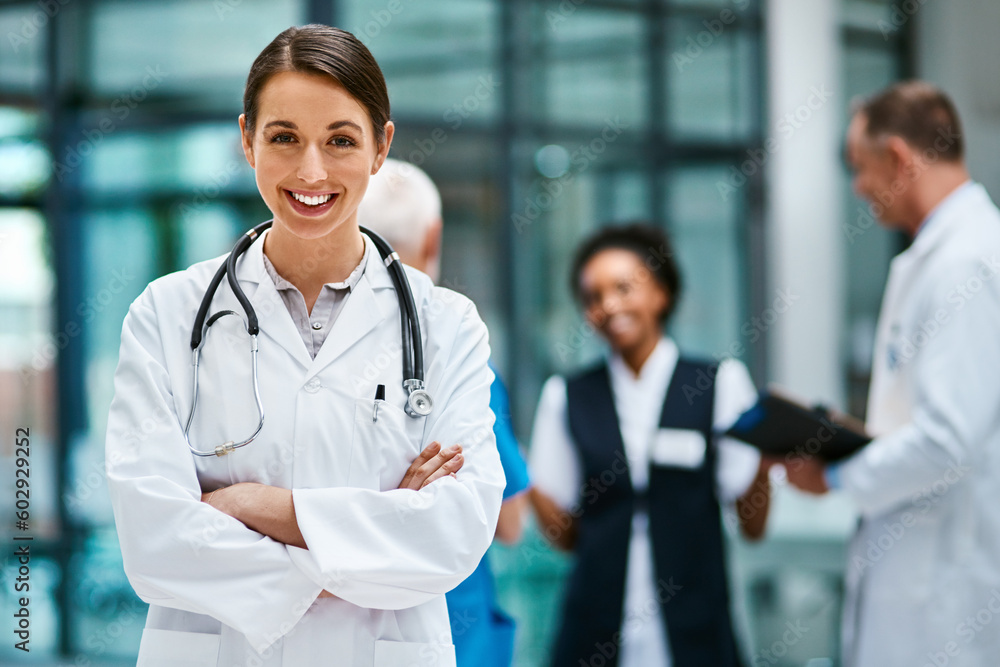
{"points": [[780, 426]]}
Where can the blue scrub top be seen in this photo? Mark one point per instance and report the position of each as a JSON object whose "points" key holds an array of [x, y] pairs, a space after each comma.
{"points": [[482, 633]]}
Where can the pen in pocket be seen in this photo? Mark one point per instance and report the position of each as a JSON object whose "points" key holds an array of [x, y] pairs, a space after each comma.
{"points": [[379, 397]]}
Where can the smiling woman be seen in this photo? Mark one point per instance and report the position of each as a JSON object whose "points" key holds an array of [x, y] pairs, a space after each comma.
{"points": [[315, 128], [313, 154], [617, 450], [339, 528]]}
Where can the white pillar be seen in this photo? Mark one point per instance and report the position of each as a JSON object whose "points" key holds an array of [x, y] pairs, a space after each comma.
{"points": [[805, 242]]}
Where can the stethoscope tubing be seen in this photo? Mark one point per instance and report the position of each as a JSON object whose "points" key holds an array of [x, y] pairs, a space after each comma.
{"points": [[418, 401]]}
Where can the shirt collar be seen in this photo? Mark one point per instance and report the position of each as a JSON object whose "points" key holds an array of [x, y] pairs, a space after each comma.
{"points": [[349, 284], [659, 364]]}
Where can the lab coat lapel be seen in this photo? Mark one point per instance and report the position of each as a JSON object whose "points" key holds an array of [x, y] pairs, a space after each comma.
{"points": [[274, 319], [361, 312], [910, 262], [883, 393], [883, 413]]}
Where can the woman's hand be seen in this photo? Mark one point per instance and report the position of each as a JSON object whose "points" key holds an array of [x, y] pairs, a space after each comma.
{"points": [[559, 526], [225, 499], [269, 510], [433, 463]]}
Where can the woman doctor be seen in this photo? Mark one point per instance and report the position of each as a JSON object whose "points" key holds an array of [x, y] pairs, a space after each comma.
{"points": [[299, 549]]}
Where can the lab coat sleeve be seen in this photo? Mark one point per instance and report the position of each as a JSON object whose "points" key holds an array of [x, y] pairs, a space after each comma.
{"points": [[179, 552], [955, 397], [400, 548]]}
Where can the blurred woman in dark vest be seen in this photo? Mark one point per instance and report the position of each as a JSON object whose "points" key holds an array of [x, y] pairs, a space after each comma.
{"points": [[630, 477]]}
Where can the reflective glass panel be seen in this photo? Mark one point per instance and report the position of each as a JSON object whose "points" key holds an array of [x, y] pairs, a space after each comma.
{"points": [[24, 158], [885, 17], [202, 162], [711, 78], [187, 53], [708, 241], [28, 353], [438, 58], [592, 68], [24, 31]]}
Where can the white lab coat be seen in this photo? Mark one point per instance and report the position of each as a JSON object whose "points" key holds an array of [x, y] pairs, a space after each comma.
{"points": [[222, 594], [923, 574]]}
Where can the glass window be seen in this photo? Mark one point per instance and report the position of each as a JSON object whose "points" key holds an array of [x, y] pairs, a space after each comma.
{"points": [[28, 351], [712, 80], [204, 161], [438, 58], [709, 244], [882, 17], [192, 54], [22, 49], [735, 5], [26, 287], [592, 67], [24, 159]]}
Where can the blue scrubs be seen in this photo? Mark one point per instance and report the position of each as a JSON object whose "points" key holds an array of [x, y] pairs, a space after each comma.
{"points": [[482, 633]]}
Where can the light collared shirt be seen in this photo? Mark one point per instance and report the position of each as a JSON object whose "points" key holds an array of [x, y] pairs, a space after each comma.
{"points": [[314, 327]]}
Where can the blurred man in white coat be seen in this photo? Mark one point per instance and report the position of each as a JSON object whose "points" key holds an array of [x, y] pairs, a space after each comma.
{"points": [[923, 571]]}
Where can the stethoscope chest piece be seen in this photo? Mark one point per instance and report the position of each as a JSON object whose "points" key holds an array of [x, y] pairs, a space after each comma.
{"points": [[418, 403]]}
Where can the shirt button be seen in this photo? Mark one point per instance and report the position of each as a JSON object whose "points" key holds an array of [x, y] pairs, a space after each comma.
{"points": [[317, 326], [313, 385]]}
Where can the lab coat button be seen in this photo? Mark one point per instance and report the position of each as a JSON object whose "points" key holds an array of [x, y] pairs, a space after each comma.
{"points": [[313, 385], [317, 326]]}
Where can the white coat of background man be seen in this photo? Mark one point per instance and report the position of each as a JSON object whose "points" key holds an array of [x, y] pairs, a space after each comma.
{"points": [[923, 570]]}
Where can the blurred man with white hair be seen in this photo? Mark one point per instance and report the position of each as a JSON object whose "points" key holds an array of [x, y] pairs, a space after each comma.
{"points": [[403, 205]]}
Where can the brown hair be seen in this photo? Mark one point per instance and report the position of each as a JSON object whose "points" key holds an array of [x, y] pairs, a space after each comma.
{"points": [[320, 49], [919, 113]]}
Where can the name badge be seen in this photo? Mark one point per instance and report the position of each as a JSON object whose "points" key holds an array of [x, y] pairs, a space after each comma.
{"points": [[678, 447]]}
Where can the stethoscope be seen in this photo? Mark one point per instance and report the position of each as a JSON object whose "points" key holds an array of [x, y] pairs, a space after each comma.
{"points": [[418, 401]]}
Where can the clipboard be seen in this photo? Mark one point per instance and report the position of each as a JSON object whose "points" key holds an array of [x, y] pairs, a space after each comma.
{"points": [[780, 426]]}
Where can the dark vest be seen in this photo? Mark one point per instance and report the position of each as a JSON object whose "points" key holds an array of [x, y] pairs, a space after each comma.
{"points": [[684, 522]]}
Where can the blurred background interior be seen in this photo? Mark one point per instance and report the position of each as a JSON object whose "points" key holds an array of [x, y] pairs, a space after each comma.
{"points": [[720, 120]]}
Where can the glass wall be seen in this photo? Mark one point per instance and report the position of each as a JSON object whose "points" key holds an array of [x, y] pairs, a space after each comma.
{"points": [[30, 339], [875, 55], [539, 120]]}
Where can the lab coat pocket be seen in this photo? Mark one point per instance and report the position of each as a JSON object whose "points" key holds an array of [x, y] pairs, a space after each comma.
{"points": [[681, 448], [385, 444], [171, 648], [413, 654]]}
